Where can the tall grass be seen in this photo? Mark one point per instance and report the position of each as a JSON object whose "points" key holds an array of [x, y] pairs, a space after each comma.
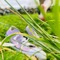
{"points": [[48, 44]]}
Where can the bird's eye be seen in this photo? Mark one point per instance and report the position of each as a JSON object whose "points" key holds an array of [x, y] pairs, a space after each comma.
{"points": [[25, 37], [12, 28], [31, 46]]}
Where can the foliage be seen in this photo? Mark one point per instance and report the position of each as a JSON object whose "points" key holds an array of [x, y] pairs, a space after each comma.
{"points": [[49, 44]]}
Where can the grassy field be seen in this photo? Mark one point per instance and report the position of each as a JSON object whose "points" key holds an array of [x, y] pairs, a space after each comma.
{"points": [[49, 31], [6, 22], [12, 20]]}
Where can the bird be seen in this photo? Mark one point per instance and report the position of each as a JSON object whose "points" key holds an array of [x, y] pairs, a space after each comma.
{"points": [[23, 44]]}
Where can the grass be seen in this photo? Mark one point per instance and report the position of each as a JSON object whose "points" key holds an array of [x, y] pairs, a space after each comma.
{"points": [[10, 56], [12, 20], [9, 20], [49, 44]]}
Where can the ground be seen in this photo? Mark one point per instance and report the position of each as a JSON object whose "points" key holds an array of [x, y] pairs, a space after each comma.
{"points": [[12, 20]]}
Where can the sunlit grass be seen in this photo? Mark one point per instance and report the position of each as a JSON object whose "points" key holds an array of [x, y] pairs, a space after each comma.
{"points": [[12, 20], [48, 44]]}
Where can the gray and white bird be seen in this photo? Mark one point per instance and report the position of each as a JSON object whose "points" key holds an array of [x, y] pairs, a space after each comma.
{"points": [[26, 47]]}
